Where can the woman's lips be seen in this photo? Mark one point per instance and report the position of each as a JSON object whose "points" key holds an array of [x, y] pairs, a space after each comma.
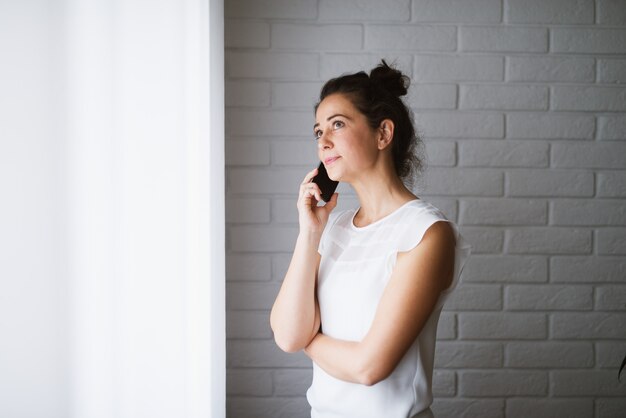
{"points": [[330, 160]]}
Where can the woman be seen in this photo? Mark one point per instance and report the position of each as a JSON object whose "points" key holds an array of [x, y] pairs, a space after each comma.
{"points": [[365, 288]]}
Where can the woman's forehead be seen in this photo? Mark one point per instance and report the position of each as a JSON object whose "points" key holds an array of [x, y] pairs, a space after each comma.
{"points": [[332, 104]]}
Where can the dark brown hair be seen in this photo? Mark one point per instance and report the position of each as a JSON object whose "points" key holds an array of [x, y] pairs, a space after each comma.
{"points": [[377, 97]]}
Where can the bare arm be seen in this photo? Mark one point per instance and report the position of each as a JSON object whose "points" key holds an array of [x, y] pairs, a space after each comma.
{"points": [[419, 276], [295, 317]]}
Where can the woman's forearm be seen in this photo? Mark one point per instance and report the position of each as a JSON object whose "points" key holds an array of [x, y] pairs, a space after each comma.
{"points": [[294, 318], [344, 360]]}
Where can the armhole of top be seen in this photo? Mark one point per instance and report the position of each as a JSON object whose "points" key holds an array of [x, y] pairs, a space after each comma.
{"points": [[462, 250]]}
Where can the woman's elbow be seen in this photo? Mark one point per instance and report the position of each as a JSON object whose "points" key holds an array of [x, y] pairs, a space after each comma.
{"points": [[372, 374], [287, 345]]}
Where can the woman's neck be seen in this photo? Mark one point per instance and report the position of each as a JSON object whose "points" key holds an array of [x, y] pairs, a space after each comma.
{"points": [[379, 195]]}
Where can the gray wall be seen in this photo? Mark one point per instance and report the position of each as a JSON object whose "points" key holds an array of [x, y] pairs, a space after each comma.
{"points": [[522, 107]]}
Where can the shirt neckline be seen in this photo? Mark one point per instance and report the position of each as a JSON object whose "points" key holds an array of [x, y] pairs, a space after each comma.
{"points": [[361, 228]]}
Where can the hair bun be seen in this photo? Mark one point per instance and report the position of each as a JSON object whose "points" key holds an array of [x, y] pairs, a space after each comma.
{"points": [[390, 79]]}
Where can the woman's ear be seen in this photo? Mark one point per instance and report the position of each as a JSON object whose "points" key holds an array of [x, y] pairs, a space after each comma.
{"points": [[386, 133]]}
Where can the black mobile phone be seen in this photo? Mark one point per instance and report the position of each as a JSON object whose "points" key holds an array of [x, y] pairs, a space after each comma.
{"points": [[326, 185]]}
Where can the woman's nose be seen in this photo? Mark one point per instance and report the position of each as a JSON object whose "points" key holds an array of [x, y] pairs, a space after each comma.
{"points": [[323, 142]]}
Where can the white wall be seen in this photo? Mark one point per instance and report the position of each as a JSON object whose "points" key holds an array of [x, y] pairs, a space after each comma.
{"points": [[34, 299], [112, 214]]}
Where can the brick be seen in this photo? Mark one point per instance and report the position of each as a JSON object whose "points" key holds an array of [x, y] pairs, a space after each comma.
{"points": [[611, 12], [589, 212], [248, 382], [280, 264], [272, 65], [549, 126], [495, 97], [441, 153], [248, 296], [300, 153], [483, 240], [593, 41], [248, 325], [326, 37], [612, 127], [610, 408], [609, 355], [273, 9], [444, 383], [241, 152], [503, 383], [611, 298], [503, 39], [462, 125], [475, 297], [446, 330], [612, 70], [243, 93], [503, 212], [509, 153], [588, 98], [263, 239], [548, 240], [248, 267], [585, 383], [456, 354], [299, 94], [432, 96], [285, 181], [501, 325], [450, 68], [468, 408], [292, 382], [262, 353], [612, 184], [590, 269], [505, 269], [334, 65], [243, 34], [549, 355], [540, 68], [410, 37], [242, 210], [457, 11], [267, 122], [550, 183], [570, 408], [284, 211], [577, 154], [548, 297], [469, 182], [611, 241], [554, 11], [368, 10], [588, 325], [256, 407]]}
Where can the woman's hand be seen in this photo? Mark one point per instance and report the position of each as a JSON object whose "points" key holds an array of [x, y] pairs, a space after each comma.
{"points": [[313, 218]]}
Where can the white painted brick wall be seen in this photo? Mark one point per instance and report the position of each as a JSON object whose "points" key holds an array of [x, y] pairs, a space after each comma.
{"points": [[522, 107]]}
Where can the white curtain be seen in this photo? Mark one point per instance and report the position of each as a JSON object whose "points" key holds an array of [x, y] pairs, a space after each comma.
{"points": [[137, 109]]}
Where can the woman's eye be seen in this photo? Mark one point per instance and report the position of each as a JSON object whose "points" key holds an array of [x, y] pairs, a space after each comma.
{"points": [[337, 124], [317, 134]]}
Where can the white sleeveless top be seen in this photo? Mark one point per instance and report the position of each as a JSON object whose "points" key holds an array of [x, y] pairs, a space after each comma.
{"points": [[355, 266]]}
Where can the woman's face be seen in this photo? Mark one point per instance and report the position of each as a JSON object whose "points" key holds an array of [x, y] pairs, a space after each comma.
{"points": [[346, 144]]}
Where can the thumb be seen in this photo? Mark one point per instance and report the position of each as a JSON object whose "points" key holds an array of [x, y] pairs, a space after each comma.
{"points": [[332, 202]]}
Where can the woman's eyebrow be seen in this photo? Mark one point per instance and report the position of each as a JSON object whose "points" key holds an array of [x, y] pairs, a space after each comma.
{"points": [[330, 117]]}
